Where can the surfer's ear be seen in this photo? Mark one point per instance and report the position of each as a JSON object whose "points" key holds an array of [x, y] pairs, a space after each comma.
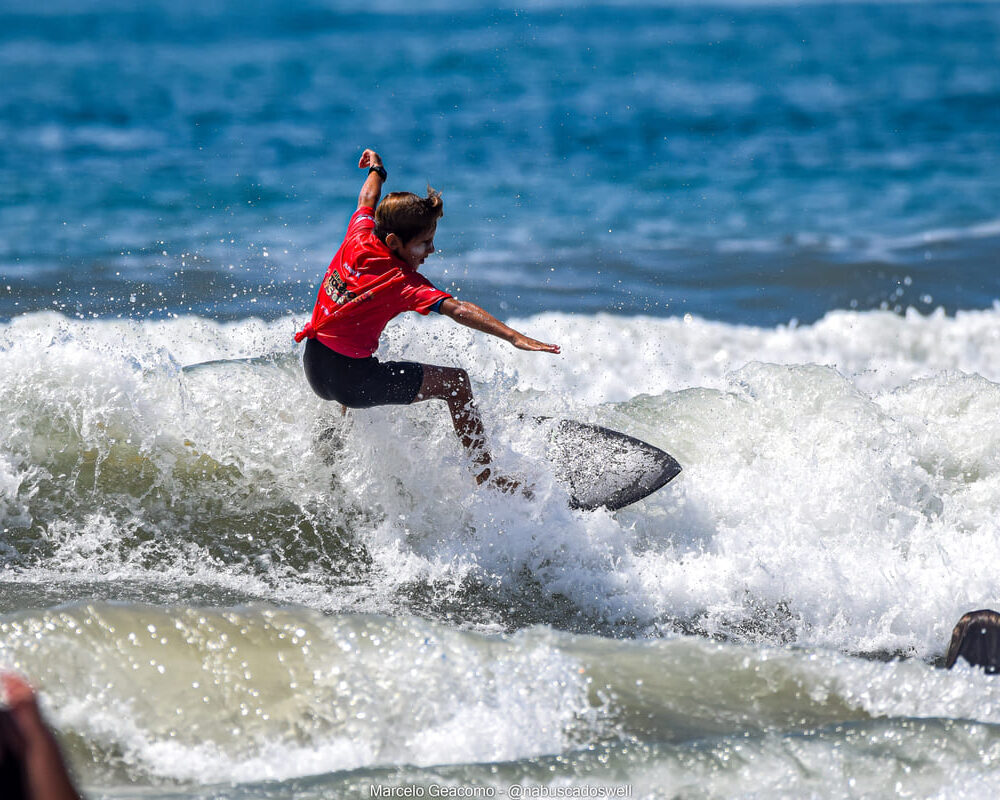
{"points": [[393, 242]]}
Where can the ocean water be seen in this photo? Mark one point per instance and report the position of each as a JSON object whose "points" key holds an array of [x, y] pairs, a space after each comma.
{"points": [[766, 237]]}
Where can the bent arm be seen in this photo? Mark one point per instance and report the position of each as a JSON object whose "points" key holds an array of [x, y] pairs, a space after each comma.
{"points": [[472, 316], [372, 189]]}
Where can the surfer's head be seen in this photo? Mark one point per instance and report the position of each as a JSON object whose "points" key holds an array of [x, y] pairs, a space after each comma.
{"points": [[406, 223], [976, 638], [407, 215]]}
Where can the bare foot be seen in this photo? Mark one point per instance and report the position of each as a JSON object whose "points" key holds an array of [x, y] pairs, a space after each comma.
{"points": [[504, 484]]}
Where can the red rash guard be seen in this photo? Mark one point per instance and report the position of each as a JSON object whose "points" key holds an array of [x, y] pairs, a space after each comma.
{"points": [[364, 287]]}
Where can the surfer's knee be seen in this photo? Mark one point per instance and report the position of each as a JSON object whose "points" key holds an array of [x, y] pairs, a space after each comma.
{"points": [[460, 394], [460, 381], [445, 383]]}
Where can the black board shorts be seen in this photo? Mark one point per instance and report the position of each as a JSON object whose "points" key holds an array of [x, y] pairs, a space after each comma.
{"points": [[360, 382]]}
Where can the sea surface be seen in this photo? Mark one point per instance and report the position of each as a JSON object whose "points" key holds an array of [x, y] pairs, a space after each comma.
{"points": [[765, 235]]}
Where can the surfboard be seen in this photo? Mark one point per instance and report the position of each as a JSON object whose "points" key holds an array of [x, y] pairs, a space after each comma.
{"points": [[601, 467]]}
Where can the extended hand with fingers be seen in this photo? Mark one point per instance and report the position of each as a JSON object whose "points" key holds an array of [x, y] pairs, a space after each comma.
{"points": [[522, 342]]}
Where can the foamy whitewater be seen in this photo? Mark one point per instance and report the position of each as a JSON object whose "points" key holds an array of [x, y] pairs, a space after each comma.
{"points": [[839, 500]]}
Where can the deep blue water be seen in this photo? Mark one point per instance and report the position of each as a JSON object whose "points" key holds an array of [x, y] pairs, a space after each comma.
{"points": [[750, 163]]}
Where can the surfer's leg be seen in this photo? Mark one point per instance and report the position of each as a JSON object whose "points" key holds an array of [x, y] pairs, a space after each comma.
{"points": [[452, 385]]}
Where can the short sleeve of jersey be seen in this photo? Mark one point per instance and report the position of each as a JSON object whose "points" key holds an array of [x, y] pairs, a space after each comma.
{"points": [[363, 221], [420, 294]]}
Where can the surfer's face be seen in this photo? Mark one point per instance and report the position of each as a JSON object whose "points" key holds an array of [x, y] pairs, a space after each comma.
{"points": [[415, 251]]}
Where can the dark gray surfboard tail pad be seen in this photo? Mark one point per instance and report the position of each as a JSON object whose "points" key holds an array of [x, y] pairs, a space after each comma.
{"points": [[603, 468]]}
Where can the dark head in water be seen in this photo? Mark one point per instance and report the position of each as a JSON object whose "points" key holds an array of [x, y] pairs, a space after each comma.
{"points": [[976, 638]]}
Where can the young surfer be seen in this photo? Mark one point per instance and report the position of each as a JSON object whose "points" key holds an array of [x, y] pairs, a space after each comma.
{"points": [[372, 278]]}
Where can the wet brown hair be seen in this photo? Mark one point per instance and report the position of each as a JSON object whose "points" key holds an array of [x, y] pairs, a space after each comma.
{"points": [[407, 215], [977, 639]]}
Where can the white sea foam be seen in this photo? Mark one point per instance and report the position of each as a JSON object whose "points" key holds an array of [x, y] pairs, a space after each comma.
{"points": [[841, 485]]}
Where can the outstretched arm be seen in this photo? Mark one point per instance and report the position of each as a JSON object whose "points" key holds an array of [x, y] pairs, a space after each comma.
{"points": [[372, 190], [474, 317]]}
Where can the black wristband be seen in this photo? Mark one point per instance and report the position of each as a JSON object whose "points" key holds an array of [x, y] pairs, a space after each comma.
{"points": [[380, 170]]}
